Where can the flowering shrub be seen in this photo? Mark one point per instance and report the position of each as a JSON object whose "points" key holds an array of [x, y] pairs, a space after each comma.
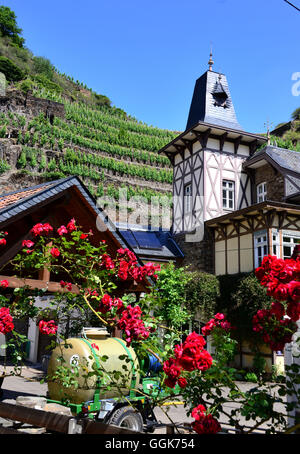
{"points": [[189, 371], [281, 278]]}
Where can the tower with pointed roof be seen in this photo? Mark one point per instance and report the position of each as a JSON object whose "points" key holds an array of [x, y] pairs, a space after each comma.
{"points": [[208, 157], [211, 101]]}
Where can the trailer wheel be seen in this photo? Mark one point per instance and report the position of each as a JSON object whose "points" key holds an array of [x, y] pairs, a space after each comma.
{"points": [[128, 418]]}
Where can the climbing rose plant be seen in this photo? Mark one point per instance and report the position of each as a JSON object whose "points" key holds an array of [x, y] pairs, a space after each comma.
{"points": [[92, 280], [281, 278]]}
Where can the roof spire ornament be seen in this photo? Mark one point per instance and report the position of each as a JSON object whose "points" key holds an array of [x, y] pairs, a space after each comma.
{"points": [[210, 62]]}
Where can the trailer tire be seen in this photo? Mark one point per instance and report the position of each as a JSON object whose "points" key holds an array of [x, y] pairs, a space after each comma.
{"points": [[128, 418]]}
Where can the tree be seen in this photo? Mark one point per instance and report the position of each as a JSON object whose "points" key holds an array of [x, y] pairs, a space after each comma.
{"points": [[296, 114], [9, 27]]}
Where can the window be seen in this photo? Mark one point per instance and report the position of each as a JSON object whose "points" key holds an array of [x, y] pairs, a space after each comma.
{"points": [[187, 198], [261, 192], [289, 240], [260, 247], [228, 194]]}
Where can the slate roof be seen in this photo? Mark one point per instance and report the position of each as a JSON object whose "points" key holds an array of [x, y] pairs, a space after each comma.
{"points": [[284, 158], [210, 88]]}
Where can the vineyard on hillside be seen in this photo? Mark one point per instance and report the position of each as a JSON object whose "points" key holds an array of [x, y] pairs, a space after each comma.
{"points": [[105, 148]]}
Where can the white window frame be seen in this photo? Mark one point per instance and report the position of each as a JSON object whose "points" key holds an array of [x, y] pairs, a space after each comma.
{"points": [[228, 194], [187, 198], [294, 239], [260, 246], [261, 192], [275, 243]]}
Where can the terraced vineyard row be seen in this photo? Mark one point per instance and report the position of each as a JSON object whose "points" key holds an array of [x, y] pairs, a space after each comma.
{"points": [[102, 147]]}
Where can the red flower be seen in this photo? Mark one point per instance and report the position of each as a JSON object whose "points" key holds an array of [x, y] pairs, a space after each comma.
{"points": [[294, 290], [71, 225], [83, 236], [54, 252], [182, 382], [2, 241], [27, 243], [40, 229], [105, 304], [107, 262], [4, 283], [281, 292], [6, 321], [277, 309], [198, 412], [293, 311], [62, 229], [204, 423], [133, 325], [47, 327]]}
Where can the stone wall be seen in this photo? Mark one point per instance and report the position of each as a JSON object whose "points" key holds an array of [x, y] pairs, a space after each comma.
{"points": [[29, 105], [198, 256], [274, 180]]}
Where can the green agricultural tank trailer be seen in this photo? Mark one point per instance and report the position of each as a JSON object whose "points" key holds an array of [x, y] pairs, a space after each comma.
{"points": [[113, 401]]}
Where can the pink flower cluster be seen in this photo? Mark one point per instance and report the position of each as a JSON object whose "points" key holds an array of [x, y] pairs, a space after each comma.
{"points": [[6, 321], [188, 356], [219, 320], [107, 303], [127, 266], [281, 278], [132, 324], [48, 328], [204, 422], [41, 229]]}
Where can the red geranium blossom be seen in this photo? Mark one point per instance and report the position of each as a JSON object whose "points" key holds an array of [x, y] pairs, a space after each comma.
{"points": [[54, 252]]}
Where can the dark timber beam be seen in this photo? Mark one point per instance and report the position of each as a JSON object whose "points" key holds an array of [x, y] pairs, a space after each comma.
{"points": [[203, 136], [223, 137], [237, 142], [253, 146]]}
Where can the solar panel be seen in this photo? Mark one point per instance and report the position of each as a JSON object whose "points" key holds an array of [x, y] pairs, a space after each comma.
{"points": [[127, 235], [147, 240]]}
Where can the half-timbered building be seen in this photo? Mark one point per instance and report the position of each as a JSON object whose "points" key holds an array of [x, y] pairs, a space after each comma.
{"points": [[235, 197]]}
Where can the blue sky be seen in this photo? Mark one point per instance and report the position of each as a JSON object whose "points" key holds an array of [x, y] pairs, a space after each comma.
{"points": [[146, 55]]}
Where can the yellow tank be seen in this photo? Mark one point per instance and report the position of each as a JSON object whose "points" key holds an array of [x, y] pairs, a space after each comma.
{"points": [[72, 363]]}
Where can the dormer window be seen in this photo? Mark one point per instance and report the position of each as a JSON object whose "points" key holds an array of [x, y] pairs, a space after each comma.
{"points": [[228, 194], [261, 192]]}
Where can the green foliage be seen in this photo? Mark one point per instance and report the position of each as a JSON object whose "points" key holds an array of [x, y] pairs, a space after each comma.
{"points": [[9, 27], [202, 293], [12, 72], [241, 297], [43, 66], [170, 295], [4, 166]]}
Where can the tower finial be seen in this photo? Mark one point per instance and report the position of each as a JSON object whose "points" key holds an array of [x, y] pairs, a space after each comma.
{"points": [[210, 62]]}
